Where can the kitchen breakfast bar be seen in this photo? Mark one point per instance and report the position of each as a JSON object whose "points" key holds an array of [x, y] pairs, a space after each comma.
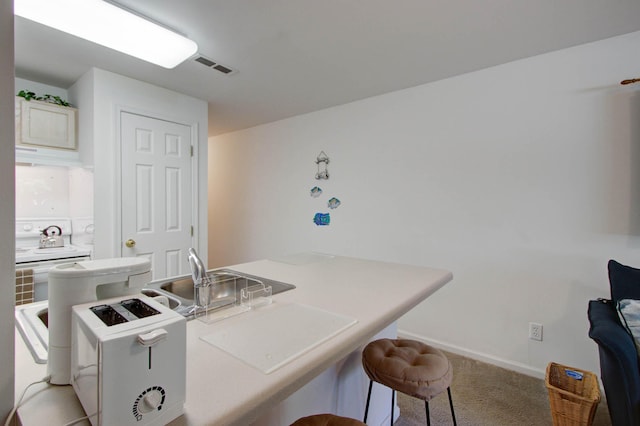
{"points": [[241, 384]]}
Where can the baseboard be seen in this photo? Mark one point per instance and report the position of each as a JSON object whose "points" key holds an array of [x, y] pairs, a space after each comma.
{"points": [[479, 356]]}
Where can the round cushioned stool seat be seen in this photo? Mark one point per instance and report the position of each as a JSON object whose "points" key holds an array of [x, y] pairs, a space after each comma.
{"points": [[327, 420], [408, 366]]}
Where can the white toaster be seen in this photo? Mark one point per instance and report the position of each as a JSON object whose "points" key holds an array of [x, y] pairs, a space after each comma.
{"points": [[128, 361]]}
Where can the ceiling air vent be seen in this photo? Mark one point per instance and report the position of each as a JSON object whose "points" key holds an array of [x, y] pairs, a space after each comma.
{"points": [[215, 65], [205, 61]]}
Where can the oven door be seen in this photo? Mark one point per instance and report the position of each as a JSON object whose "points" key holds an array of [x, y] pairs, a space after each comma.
{"points": [[41, 274]]}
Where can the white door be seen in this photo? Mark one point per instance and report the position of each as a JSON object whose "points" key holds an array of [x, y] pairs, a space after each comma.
{"points": [[156, 192]]}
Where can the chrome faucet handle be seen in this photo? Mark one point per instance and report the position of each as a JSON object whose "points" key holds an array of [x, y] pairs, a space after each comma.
{"points": [[198, 271], [201, 281]]}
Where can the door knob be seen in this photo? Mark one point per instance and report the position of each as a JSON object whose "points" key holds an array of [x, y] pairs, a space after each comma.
{"points": [[130, 243]]}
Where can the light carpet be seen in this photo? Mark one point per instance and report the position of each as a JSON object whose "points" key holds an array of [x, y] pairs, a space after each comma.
{"points": [[484, 394]]}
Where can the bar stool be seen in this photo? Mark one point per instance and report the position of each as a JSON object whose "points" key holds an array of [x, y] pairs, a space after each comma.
{"points": [[410, 367], [327, 420]]}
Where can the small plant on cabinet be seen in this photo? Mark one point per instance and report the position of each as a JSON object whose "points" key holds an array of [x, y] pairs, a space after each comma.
{"points": [[28, 95]]}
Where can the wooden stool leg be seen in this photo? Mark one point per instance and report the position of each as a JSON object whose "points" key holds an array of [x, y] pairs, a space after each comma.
{"points": [[453, 415], [366, 410], [393, 394], [426, 409]]}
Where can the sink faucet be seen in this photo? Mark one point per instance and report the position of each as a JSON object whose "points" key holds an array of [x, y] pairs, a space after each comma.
{"points": [[201, 280]]}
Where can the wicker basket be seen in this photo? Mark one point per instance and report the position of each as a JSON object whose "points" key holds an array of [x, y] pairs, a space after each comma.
{"points": [[574, 395]]}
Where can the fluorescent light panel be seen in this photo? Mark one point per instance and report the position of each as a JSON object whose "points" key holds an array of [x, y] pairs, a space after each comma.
{"points": [[110, 26]]}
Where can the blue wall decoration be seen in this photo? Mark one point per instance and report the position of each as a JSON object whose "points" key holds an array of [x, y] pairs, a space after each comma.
{"points": [[322, 219]]}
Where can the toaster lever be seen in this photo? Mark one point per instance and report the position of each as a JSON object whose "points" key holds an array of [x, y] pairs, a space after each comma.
{"points": [[152, 337]]}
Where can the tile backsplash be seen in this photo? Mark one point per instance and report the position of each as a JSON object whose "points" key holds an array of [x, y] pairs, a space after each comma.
{"points": [[24, 286], [51, 191]]}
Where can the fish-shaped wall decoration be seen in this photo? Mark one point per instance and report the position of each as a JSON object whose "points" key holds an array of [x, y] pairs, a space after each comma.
{"points": [[333, 203], [322, 219]]}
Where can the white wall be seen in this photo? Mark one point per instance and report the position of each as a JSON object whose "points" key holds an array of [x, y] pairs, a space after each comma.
{"points": [[42, 191], [81, 198], [101, 95], [7, 220], [53, 191], [522, 179]]}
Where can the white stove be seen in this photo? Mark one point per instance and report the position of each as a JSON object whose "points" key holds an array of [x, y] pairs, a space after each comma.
{"points": [[34, 254], [29, 255]]}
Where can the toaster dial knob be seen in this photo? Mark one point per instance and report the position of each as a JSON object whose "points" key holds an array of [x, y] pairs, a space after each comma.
{"points": [[150, 401]]}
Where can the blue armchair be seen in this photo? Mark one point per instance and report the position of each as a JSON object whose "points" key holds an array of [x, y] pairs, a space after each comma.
{"points": [[619, 366]]}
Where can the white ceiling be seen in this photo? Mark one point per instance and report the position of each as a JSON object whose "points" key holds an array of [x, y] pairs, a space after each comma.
{"points": [[298, 56]]}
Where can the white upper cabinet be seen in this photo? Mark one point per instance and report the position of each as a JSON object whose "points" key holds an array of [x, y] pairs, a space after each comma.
{"points": [[43, 124]]}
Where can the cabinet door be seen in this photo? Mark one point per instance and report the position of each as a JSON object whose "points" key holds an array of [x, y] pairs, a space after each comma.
{"points": [[47, 125]]}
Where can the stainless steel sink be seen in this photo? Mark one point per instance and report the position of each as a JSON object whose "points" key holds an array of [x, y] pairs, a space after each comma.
{"points": [[223, 290], [181, 287], [226, 285]]}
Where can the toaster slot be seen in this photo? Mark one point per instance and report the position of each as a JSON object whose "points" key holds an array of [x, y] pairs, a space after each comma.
{"points": [[139, 308], [108, 315]]}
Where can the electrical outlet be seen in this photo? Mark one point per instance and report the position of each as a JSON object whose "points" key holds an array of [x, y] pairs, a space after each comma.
{"points": [[535, 331]]}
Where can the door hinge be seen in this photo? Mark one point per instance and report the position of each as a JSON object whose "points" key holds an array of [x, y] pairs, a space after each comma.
{"points": [[192, 230], [192, 150]]}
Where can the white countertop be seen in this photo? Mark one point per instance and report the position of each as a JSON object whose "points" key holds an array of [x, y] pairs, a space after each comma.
{"points": [[221, 389]]}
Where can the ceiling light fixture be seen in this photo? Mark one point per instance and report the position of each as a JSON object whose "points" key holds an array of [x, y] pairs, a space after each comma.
{"points": [[110, 26]]}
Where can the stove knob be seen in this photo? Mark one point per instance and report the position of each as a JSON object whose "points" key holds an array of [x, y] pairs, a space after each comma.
{"points": [[27, 227]]}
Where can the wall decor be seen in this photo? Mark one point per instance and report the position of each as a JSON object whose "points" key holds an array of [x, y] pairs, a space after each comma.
{"points": [[322, 161], [322, 219], [333, 203], [316, 192]]}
